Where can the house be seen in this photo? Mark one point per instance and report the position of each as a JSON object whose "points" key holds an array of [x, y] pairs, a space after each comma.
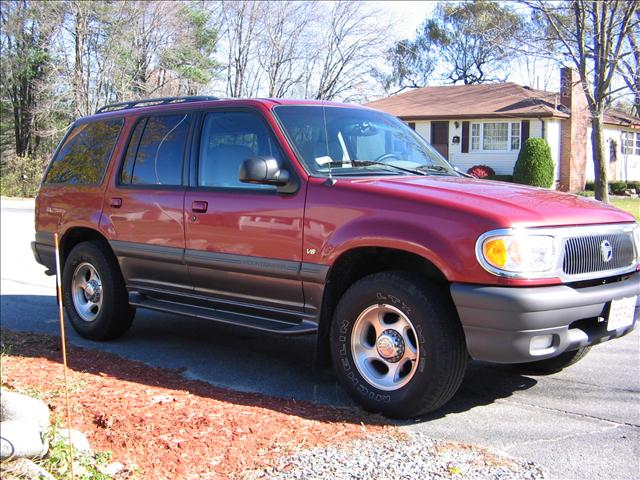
{"points": [[486, 125]]}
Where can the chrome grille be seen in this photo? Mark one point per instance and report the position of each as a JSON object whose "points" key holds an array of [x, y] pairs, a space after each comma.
{"points": [[583, 254]]}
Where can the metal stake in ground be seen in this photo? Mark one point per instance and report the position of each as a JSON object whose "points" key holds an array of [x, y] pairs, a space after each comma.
{"points": [[64, 349]]}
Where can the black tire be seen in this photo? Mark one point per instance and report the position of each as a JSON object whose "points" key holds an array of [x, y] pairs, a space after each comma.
{"points": [[114, 315], [439, 349], [555, 364]]}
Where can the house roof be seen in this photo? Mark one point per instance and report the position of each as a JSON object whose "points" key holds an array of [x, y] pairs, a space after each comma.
{"points": [[615, 117], [488, 100]]}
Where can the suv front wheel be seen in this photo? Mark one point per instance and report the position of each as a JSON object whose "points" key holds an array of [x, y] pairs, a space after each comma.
{"points": [[397, 345], [94, 294]]}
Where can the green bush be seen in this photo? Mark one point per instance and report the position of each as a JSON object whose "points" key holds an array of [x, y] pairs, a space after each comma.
{"points": [[534, 165], [590, 186], [501, 178], [20, 176], [618, 187]]}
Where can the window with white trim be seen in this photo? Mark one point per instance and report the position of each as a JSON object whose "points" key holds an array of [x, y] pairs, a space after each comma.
{"points": [[475, 136], [495, 136], [630, 143]]}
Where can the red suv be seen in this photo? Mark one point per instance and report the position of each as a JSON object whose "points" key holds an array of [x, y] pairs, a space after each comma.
{"points": [[300, 217]]}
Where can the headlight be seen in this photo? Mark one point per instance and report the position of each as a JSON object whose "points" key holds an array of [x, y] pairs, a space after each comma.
{"points": [[517, 254]]}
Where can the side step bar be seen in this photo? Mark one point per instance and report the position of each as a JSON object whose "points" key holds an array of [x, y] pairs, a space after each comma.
{"points": [[248, 321]]}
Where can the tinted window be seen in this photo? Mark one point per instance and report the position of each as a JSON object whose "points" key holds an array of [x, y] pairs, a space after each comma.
{"points": [[156, 150], [84, 156], [228, 139]]}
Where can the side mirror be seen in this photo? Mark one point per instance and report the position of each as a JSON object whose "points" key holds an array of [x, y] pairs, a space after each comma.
{"points": [[263, 170]]}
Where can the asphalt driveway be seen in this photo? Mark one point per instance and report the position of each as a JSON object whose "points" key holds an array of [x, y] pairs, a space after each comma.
{"points": [[581, 423]]}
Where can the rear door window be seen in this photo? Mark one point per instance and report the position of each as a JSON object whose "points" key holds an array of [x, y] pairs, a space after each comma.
{"points": [[84, 155], [156, 151]]}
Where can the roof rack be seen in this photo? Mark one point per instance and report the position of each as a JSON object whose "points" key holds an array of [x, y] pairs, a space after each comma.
{"points": [[148, 102]]}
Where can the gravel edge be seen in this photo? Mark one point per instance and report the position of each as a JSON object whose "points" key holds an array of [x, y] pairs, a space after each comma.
{"points": [[396, 457]]}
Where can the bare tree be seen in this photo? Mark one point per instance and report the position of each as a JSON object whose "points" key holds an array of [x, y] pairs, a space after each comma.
{"points": [[591, 35], [148, 33], [630, 64], [348, 43], [91, 28], [282, 42], [241, 19]]}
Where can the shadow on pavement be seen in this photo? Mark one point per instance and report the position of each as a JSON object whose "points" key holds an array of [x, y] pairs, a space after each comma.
{"points": [[483, 384], [224, 358]]}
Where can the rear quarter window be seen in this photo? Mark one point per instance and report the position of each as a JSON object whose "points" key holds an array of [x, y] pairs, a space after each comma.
{"points": [[83, 157]]}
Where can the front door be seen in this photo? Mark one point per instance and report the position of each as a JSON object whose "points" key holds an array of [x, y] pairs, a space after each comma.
{"points": [[440, 137], [243, 241]]}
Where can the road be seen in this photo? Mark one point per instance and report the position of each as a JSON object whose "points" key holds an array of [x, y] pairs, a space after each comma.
{"points": [[581, 423]]}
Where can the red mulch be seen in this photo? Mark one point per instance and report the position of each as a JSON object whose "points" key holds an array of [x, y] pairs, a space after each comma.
{"points": [[166, 425]]}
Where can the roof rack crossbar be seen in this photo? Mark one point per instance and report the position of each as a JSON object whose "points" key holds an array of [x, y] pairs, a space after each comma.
{"points": [[114, 107]]}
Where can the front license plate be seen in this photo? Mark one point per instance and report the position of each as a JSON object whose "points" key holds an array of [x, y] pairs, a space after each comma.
{"points": [[621, 313]]}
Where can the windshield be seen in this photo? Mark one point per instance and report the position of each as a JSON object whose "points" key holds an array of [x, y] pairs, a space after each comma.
{"points": [[356, 141]]}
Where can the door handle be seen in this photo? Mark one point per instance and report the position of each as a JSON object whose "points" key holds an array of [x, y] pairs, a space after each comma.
{"points": [[116, 202], [199, 206]]}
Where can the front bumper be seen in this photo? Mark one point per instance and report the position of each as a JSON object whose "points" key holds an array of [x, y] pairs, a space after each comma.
{"points": [[500, 322]]}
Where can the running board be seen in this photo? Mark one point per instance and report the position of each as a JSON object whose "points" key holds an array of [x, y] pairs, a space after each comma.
{"points": [[248, 321]]}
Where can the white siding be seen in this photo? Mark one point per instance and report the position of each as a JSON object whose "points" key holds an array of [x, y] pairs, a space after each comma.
{"points": [[501, 162], [424, 129], [627, 166], [552, 135]]}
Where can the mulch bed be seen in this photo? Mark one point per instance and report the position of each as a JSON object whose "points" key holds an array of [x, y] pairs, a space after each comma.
{"points": [[168, 426]]}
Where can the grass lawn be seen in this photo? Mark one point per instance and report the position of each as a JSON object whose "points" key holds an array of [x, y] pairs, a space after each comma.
{"points": [[631, 205]]}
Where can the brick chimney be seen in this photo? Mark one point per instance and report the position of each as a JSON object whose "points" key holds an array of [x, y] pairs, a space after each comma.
{"points": [[573, 132]]}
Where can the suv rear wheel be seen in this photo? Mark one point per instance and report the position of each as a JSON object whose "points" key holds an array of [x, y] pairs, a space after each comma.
{"points": [[397, 345], [94, 295]]}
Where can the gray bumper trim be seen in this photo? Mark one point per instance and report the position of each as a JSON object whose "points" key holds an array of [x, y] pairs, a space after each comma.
{"points": [[44, 255], [499, 322]]}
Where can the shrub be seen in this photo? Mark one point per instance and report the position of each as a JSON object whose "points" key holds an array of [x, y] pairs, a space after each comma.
{"points": [[618, 187], [634, 185], [20, 176], [590, 186], [501, 178], [481, 171], [534, 165]]}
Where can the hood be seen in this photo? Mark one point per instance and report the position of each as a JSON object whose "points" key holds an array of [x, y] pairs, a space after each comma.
{"points": [[507, 204]]}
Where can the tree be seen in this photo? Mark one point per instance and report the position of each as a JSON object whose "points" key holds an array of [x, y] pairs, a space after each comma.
{"points": [[473, 39], [242, 30], [630, 64], [194, 42], [24, 47], [283, 45], [412, 64], [86, 49], [139, 46], [349, 41], [590, 35]]}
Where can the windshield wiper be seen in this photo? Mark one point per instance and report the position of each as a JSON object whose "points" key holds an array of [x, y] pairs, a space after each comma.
{"points": [[366, 163], [432, 168]]}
